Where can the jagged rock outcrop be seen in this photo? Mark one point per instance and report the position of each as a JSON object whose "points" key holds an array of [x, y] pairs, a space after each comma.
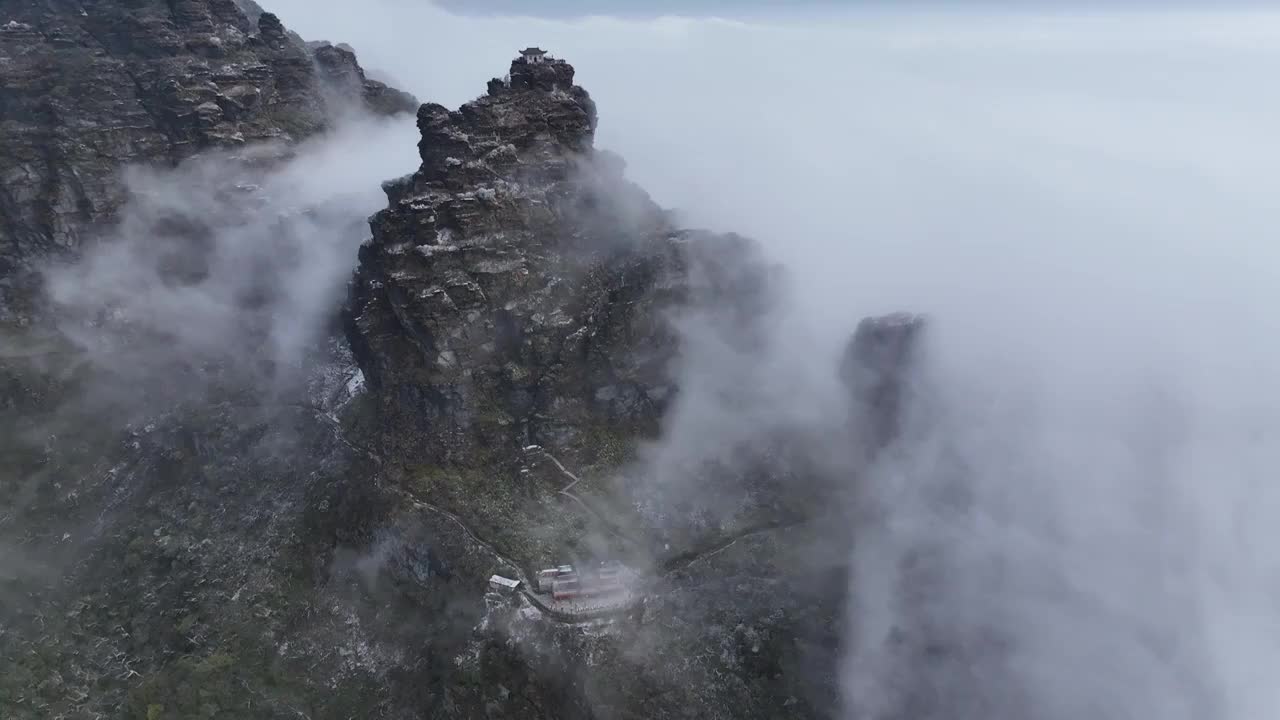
{"points": [[513, 291], [338, 65], [876, 368], [92, 86]]}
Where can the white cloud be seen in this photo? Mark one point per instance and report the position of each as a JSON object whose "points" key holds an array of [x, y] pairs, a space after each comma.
{"points": [[263, 258]]}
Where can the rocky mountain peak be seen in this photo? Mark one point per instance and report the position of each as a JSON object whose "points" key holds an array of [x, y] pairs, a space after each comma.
{"points": [[536, 116], [877, 365], [512, 290], [344, 75], [270, 29], [540, 72]]}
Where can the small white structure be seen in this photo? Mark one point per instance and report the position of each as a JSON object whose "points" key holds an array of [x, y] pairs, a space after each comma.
{"points": [[503, 583], [546, 578], [534, 55]]}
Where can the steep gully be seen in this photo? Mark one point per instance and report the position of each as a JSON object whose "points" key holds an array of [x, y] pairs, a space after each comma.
{"points": [[329, 418]]}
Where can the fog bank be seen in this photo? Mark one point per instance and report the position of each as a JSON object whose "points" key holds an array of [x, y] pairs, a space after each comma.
{"points": [[229, 268]]}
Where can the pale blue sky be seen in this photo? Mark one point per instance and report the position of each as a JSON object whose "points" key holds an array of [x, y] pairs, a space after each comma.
{"points": [[640, 8]]}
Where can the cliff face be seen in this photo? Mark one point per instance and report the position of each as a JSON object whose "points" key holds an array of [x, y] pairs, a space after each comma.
{"points": [[514, 290], [123, 539], [95, 85], [877, 367]]}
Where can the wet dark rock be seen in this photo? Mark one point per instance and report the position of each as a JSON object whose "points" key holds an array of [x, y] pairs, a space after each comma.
{"points": [[514, 289], [154, 562], [550, 75], [270, 29], [877, 368], [337, 64], [87, 92]]}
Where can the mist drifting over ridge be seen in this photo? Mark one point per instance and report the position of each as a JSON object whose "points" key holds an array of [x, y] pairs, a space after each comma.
{"points": [[1083, 204], [219, 265]]}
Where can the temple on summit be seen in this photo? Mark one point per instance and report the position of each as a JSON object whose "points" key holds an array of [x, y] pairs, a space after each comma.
{"points": [[533, 55]]}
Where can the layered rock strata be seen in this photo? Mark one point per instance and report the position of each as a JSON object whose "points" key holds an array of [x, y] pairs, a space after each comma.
{"points": [[96, 85], [514, 289]]}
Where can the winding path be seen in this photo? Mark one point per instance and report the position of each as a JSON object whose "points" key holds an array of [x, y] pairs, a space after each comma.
{"points": [[567, 491], [665, 567], [682, 560]]}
